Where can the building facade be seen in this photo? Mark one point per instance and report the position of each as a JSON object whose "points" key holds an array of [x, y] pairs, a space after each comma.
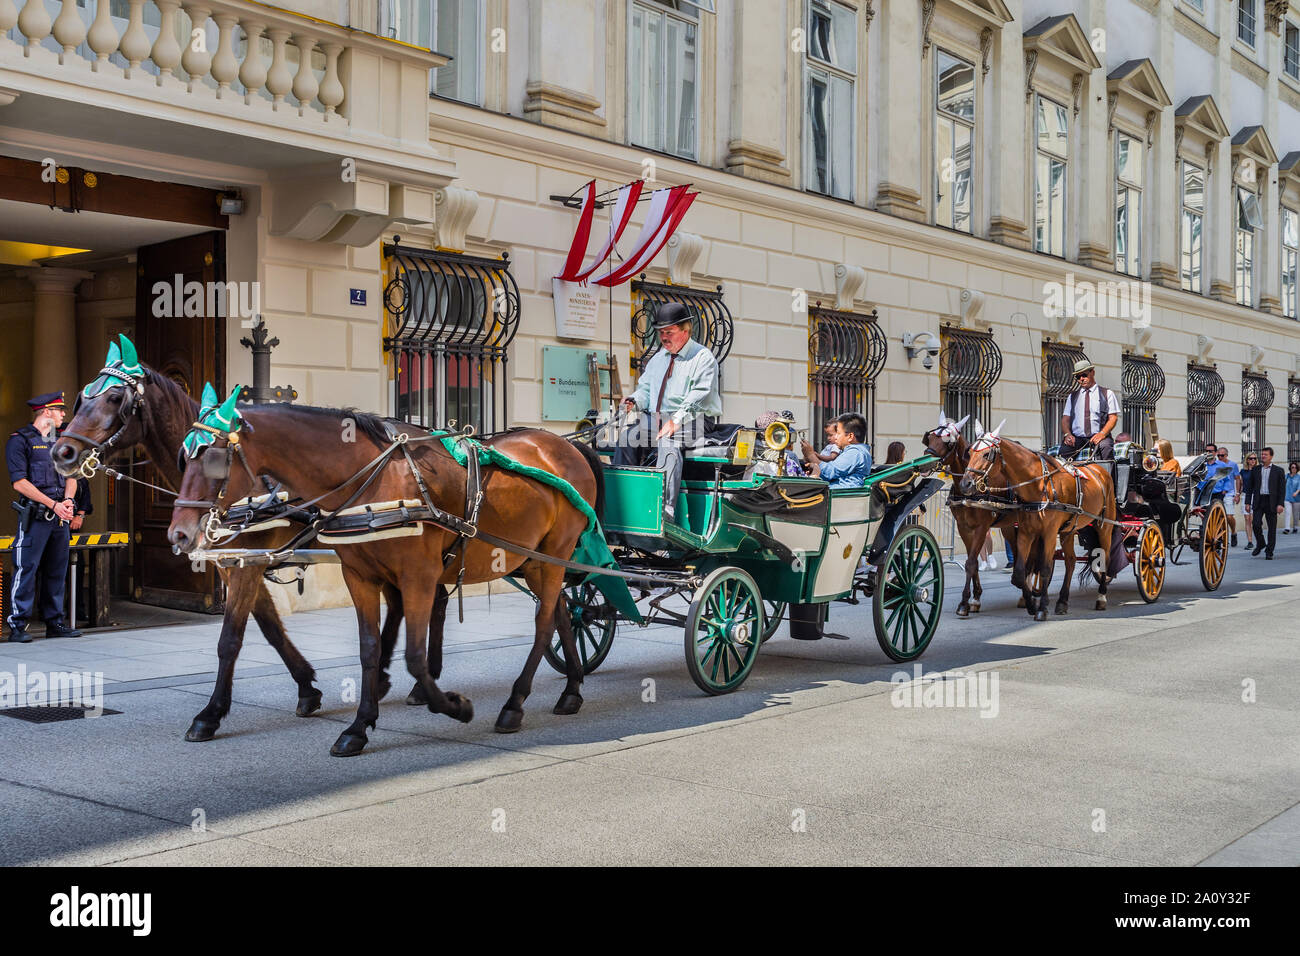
{"points": [[904, 204]]}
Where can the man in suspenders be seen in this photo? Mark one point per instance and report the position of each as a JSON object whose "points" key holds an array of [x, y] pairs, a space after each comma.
{"points": [[1091, 414]]}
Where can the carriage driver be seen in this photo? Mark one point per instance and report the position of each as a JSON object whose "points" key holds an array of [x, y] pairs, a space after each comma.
{"points": [[678, 400], [1091, 414]]}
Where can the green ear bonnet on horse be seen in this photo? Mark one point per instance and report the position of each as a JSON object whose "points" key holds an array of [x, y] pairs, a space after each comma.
{"points": [[121, 367], [213, 417]]}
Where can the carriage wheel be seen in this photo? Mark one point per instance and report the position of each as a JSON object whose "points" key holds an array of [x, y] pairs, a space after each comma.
{"points": [[724, 629], [909, 595], [594, 622], [1149, 561], [1214, 546], [774, 611]]}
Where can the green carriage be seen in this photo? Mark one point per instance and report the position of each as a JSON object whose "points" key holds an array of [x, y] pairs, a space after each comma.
{"points": [[752, 546]]}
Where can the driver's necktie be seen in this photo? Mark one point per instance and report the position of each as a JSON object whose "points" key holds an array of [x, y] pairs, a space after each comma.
{"points": [[663, 386], [1087, 413]]}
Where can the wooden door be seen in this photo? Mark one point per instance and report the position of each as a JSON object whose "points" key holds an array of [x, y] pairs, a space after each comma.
{"points": [[190, 351]]}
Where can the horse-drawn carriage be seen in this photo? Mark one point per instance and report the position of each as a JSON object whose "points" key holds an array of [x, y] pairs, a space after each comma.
{"points": [[1160, 515], [748, 546]]}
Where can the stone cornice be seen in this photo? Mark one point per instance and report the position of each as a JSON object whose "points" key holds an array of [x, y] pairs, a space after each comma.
{"points": [[1196, 31]]}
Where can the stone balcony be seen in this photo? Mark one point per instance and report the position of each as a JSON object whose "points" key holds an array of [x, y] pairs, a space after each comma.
{"points": [[338, 115]]}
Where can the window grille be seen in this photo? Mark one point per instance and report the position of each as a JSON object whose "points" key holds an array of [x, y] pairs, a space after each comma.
{"points": [[1256, 400], [713, 325], [1058, 385], [1143, 381], [970, 363], [1204, 393], [846, 352]]}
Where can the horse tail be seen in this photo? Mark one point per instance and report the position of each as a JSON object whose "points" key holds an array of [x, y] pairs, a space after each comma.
{"points": [[597, 470]]}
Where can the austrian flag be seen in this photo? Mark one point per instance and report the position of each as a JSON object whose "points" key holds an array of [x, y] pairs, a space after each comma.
{"points": [[667, 207]]}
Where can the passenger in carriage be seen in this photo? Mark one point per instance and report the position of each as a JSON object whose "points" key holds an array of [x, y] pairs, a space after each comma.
{"points": [[1167, 460], [853, 464]]}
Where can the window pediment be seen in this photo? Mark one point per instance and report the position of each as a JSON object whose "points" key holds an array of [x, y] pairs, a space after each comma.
{"points": [[994, 12], [1288, 168], [1252, 141], [1061, 37], [1201, 114], [1138, 78]]}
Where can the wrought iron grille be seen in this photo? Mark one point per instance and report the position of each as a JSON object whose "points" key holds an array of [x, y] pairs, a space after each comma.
{"points": [[1143, 381], [845, 354], [1293, 420], [1256, 400], [713, 323], [1058, 384], [1204, 393], [453, 319], [970, 364]]}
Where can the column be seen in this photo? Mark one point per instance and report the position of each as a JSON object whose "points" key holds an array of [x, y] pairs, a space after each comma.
{"points": [[1095, 177], [1008, 222], [1268, 273], [1162, 211], [898, 91], [756, 141], [562, 62], [1220, 201], [54, 340]]}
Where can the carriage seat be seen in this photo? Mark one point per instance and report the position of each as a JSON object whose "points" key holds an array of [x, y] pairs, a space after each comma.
{"points": [[719, 442]]}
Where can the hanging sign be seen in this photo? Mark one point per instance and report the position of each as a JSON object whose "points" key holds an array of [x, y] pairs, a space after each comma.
{"points": [[576, 308]]}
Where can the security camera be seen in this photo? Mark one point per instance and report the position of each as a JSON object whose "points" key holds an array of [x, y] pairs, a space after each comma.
{"points": [[921, 342], [928, 361]]}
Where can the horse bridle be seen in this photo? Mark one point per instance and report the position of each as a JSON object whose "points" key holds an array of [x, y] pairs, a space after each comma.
{"points": [[132, 406]]}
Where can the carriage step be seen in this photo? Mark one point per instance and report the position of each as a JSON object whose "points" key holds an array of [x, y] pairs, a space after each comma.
{"points": [[808, 621]]}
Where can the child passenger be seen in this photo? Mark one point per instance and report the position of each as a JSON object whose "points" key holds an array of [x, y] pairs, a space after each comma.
{"points": [[853, 464]]}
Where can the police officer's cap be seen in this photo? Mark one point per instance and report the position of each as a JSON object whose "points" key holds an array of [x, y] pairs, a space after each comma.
{"points": [[672, 313], [48, 400]]}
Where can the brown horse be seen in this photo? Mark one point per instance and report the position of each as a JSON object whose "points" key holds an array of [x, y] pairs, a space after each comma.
{"points": [[999, 465], [946, 442], [301, 447], [155, 418]]}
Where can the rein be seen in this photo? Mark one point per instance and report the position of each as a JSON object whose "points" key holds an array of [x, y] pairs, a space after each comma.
{"points": [[135, 387]]}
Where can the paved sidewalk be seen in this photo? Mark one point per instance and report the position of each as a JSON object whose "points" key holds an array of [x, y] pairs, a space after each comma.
{"points": [[1120, 737]]}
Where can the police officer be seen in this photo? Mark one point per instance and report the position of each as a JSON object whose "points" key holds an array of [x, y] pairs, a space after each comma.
{"points": [[47, 504]]}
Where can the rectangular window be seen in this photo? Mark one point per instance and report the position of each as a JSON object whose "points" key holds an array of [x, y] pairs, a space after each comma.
{"points": [[1051, 157], [829, 73], [1197, 5], [1248, 220], [954, 139], [662, 87], [1290, 260], [1128, 204], [450, 27], [1246, 22], [1291, 52], [1191, 238]]}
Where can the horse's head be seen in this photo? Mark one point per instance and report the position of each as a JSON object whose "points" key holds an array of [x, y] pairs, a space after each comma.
{"points": [[210, 482], [945, 440], [984, 456], [108, 414]]}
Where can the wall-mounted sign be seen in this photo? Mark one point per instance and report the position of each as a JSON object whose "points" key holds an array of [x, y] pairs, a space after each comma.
{"points": [[358, 296], [566, 382], [576, 308]]}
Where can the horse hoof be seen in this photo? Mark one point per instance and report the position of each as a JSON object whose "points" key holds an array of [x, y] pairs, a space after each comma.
{"points": [[509, 721], [202, 730], [308, 704], [349, 745], [963, 610], [974, 607], [1062, 607], [1020, 603], [417, 697], [385, 685], [568, 704], [1100, 605], [464, 708], [1040, 615]]}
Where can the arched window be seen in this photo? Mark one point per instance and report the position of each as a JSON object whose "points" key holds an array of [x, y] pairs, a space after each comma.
{"points": [[970, 363], [1204, 392], [846, 352], [454, 317]]}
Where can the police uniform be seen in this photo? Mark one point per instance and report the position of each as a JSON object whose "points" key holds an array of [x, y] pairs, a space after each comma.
{"points": [[42, 545]]}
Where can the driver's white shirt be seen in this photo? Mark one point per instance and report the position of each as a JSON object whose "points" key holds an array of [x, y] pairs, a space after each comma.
{"points": [[1075, 410]]}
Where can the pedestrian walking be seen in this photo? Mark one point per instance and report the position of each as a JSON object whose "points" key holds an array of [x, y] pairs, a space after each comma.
{"points": [[1293, 497], [1269, 487], [1248, 489]]}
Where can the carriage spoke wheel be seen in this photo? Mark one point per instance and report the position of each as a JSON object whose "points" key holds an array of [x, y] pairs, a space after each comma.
{"points": [[1149, 561], [1214, 546], [594, 622], [909, 595], [773, 612], [724, 630]]}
